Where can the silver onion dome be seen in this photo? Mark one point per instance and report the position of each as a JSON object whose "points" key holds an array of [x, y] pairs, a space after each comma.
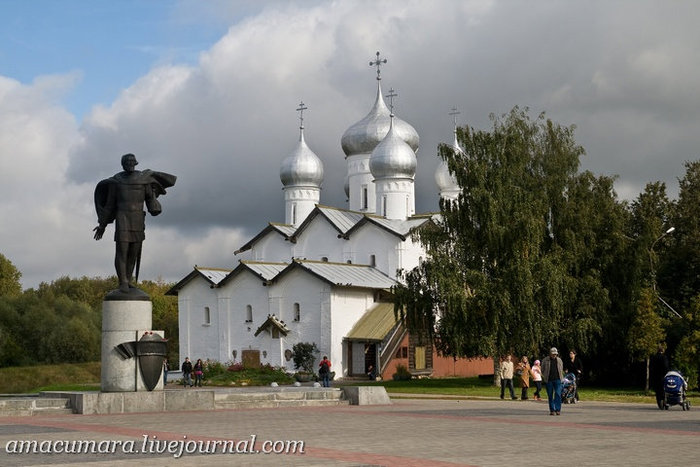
{"points": [[365, 135], [302, 167], [393, 157], [444, 179]]}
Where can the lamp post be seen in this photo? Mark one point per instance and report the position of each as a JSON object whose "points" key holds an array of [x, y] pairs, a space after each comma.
{"points": [[651, 256], [653, 272]]}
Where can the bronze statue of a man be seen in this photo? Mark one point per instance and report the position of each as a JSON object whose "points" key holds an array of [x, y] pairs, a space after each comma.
{"points": [[121, 198]]}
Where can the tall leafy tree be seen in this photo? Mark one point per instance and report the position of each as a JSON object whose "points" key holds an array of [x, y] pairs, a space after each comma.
{"points": [[679, 273], [516, 262], [647, 329], [679, 267], [9, 278]]}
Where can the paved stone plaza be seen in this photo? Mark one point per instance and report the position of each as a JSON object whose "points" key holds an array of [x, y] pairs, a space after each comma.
{"points": [[410, 432]]}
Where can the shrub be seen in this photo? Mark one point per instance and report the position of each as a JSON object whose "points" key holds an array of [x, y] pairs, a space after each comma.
{"points": [[213, 368], [402, 374], [304, 356]]}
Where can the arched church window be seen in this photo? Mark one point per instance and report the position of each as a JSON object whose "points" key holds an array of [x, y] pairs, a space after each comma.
{"points": [[207, 315], [297, 312], [324, 259], [248, 314], [373, 260], [365, 197], [294, 214]]}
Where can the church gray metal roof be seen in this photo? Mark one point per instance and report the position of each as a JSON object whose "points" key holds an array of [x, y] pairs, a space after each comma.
{"points": [[346, 275], [212, 275], [267, 271]]}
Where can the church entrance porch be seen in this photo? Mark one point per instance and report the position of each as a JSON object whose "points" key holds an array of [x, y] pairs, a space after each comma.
{"points": [[363, 356]]}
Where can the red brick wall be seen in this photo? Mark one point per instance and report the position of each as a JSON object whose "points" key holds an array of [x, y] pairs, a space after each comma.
{"points": [[445, 366]]}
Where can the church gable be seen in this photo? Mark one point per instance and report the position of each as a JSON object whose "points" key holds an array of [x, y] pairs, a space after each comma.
{"points": [[319, 239], [210, 276], [271, 244]]}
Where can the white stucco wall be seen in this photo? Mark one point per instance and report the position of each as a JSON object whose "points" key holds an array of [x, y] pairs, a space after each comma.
{"points": [[243, 290], [309, 292], [319, 239], [371, 240], [348, 305], [196, 338], [272, 248]]}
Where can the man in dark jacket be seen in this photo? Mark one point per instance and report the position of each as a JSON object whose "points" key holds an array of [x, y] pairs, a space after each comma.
{"points": [[658, 367], [187, 372], [573, 365]]}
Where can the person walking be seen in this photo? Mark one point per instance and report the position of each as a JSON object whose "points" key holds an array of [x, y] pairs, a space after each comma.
{"points": [[552, 374], [187, 372], [658, 367], [524, 372], [574, 366], [324, 371], [507, 377], [536, 372]]}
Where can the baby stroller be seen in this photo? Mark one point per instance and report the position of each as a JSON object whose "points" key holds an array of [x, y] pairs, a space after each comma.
{"points": [[568, 389], [675, 387]]}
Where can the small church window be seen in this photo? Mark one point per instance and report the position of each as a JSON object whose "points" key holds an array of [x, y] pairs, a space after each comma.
{"points": [[275, 333], [207, 316], [365, 197], [372, 260], [324, 259], [384, 205], [248, 314], [297, 312], [294, 214]]}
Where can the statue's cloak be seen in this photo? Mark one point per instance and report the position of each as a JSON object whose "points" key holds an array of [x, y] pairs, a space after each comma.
{"points": [[106, 208]]}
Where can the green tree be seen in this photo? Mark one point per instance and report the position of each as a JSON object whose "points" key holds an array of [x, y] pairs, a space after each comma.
{"points": [[9, 278], [679, 267], [647, 329], [165, 316], [679, 272], [688, 349], [516, 262]]}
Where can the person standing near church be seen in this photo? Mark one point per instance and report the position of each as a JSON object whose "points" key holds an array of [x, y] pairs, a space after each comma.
{"points": [[324, 371], [524, 371], [507, 377], [187, 372], [198, 372], [552, 374], [165, 372], [536, 371]]}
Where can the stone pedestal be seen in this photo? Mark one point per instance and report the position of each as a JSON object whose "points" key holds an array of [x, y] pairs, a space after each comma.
{"points": [[123, 321]]}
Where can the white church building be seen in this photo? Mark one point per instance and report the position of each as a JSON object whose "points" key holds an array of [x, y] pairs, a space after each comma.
{"points": [[324, 275]]}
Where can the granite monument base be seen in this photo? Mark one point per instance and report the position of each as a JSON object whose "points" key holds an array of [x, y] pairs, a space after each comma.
{"points": [[124, 321]]}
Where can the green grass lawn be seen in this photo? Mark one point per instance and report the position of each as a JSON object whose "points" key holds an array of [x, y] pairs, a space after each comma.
{"points": [[479, 387], [63, 377]]}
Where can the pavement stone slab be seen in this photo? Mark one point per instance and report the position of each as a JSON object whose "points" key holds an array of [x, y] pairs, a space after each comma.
{"points": [[409, 432]]}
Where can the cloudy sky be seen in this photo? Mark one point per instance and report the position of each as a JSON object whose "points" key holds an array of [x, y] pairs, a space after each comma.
{"points": [[208, 91]]}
